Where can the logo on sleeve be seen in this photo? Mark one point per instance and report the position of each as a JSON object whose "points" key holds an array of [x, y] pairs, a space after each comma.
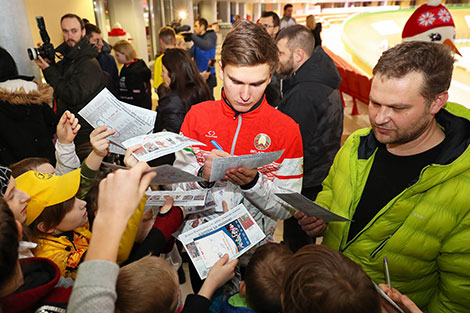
{"points": [[211, 134], [262, 141]]}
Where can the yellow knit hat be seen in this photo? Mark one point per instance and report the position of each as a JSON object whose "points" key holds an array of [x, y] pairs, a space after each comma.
{"points": [[46, 190]]}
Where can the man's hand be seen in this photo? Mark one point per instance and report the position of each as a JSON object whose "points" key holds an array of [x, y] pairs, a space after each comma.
{"points": [[129, 159], [310, 224], [41, 63], [67, 128], [241, 176], [206, 172], [99, 140], [401, 300], [220, 273]]}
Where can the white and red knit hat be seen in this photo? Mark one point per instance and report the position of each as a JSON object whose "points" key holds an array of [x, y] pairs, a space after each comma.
{"points": [[431, 22], [426, 17]]}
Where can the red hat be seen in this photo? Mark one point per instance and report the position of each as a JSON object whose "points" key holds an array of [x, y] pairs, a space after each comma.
{"points": [[427, 17]]}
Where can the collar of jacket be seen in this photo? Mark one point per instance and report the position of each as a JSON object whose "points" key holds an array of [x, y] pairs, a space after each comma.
{"points": [[319, 68], [40, 276], [457, 131], [236, 113], [83, 47]]}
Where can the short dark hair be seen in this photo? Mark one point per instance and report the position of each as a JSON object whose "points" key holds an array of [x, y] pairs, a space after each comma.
{"points": [[320, 279], [71, 15], [8, 68], [288, 6], [168, 35], [272, 14], [90, 28], [298, 36], [25, 165], [248, 44], [203, 21], [51, 217], [434, 60], [8, 243], [263, 277]]}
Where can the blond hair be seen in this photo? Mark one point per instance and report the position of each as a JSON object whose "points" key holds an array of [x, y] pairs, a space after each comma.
{"points": [[147, 285], [125, 47], [310, 22]]}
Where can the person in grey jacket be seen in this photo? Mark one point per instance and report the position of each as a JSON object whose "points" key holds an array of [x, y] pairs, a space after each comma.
{"points": [[312, 99]]}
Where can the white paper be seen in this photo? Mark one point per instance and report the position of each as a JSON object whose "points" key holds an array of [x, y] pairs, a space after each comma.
{"points": [[249, 161], [159, 144], [181, 198], [128, 121], [310, 208], [166, 174], [234, 233], [387, 298]]}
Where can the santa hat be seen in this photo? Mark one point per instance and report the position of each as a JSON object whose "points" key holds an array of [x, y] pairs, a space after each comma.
{"points": [[426, 17]]}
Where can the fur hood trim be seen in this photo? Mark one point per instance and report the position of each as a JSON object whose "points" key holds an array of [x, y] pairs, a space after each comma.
{"points": [[44, 94]]}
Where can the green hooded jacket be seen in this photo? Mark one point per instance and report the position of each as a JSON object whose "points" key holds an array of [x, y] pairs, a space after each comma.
{"points": [[424, 231]]}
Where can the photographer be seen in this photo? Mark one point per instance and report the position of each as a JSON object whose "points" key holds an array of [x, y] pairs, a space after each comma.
{"points": [[78, 77], [203, 51]]}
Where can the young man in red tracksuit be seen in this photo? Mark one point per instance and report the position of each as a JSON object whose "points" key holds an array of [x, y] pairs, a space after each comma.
{"points": [[242, 123]]}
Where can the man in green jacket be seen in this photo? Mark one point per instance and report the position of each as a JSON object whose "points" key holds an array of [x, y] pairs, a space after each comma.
{"points": [[78, 77], [406, 182]]}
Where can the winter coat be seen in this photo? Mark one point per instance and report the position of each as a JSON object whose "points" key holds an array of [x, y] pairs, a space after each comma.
{"points": [[76, 79], [204, 49], [134, 84], [312, 99], [170, 113], [27, 122], [316, 34], [424, 231]]}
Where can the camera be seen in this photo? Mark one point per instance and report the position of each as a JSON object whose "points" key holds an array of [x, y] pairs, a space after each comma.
{"points": [[46, 51]]}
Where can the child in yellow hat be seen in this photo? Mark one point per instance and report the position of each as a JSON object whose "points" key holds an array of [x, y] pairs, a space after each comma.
{"points": [[56, 215]]}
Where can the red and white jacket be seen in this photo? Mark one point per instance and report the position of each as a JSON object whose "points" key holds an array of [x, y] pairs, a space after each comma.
{"points": [[264, 129]]}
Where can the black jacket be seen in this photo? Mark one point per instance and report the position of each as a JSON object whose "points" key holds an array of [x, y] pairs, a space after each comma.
{"points": [[27, 124], [170, 113], [76, 79], [134, 85], [312, 99]]}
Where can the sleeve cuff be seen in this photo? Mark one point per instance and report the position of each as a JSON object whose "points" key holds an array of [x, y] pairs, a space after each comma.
{"points": [[251, 184]]}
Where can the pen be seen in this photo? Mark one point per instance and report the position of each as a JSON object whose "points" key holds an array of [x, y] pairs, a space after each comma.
{"points": [[387, 273], [217, 145]]}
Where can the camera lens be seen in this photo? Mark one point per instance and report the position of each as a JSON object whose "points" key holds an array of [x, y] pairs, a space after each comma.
{"points": [[33, 53]]}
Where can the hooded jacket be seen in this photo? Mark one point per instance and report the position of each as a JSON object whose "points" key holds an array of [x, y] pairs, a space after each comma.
{"points": [[39, 290], [134, 84], [204, 49], [312, 99], [424, 231], [76, 79], [27, 122]]}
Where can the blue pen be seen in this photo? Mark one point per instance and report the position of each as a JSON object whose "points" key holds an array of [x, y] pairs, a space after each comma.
{"points": [[217, 145]]}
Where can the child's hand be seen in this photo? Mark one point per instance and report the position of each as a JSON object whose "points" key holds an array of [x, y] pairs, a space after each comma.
{"points": [[168, 205], [67, 128], [120, 192], [401, 300], [220, 273], [129, 159], [99, 140]]}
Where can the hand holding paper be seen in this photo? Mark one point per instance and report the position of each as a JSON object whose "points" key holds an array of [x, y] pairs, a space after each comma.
{"points": [[215, 153], [220, 273], [310, 224]]}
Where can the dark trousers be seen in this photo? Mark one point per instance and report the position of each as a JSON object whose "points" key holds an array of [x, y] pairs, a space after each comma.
{"points": [[294, 237]]}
